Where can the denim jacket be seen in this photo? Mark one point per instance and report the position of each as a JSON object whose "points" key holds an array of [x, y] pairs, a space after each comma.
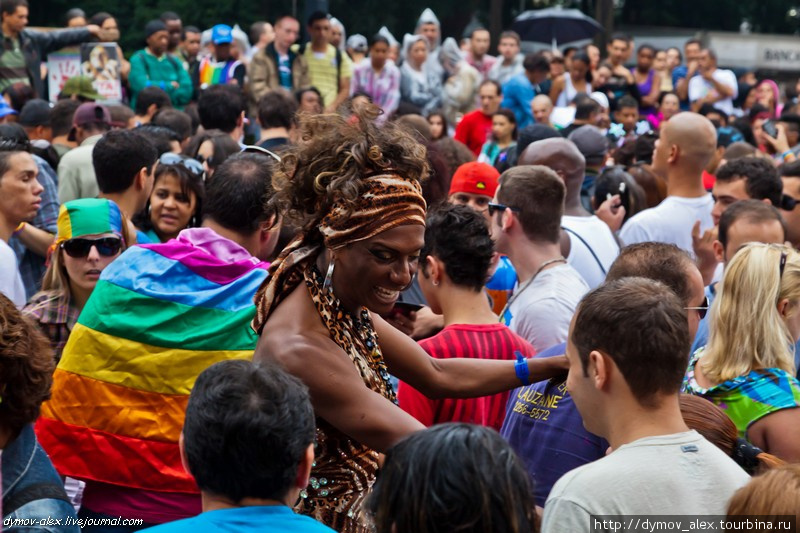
{"points": [[24, 463]]}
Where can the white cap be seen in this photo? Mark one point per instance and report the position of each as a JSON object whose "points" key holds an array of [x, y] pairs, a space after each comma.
{"points": [[600, 98]]}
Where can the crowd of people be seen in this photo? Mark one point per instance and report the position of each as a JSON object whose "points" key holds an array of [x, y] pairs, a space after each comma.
{"points": [[393, 285]]}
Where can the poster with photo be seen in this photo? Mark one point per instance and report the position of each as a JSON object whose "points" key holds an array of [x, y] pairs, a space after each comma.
{"points": [[61, 66], [99, 61]]}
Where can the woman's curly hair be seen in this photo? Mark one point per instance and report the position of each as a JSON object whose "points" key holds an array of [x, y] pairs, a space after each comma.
{"points": [[335, 153], [26, 368]]}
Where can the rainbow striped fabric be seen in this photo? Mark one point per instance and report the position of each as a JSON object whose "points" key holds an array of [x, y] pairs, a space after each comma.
{"points": [[214, 72], [159, 316]]}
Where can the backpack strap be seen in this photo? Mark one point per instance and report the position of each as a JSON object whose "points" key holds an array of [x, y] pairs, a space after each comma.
{"points": [[32, 493], [586, 244], [338, 69]]}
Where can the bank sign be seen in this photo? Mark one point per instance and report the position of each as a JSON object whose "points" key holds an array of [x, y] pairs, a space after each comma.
{"points": [[756, 51]]}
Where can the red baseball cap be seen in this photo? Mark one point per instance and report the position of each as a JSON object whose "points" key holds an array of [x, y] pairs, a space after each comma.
{"points": [[475, 178]]}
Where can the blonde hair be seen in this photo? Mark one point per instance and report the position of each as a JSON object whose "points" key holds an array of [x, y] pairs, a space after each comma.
{"points": [[746, 330], [770, 495]]}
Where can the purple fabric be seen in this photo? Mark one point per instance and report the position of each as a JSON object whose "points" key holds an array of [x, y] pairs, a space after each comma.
{"points": [[545, 428], [223, 262]]}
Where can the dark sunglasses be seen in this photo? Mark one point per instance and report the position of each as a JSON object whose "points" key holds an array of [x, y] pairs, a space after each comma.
{"points": [[192, 165], [210, 160], [79, 248], [702, 310], [494, 208]]}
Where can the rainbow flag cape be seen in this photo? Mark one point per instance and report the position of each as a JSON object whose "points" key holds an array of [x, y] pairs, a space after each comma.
{"points": [[160, 315]]}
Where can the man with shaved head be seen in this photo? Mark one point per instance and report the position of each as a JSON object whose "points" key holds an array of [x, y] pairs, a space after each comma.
{"points": [[684, 149], [586, 241]]}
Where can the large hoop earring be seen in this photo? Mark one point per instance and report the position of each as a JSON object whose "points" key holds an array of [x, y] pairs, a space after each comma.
{"points": [[326, 285]]}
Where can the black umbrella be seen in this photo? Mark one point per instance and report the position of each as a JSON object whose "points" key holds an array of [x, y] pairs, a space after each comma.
{"points": [[555, 25]]}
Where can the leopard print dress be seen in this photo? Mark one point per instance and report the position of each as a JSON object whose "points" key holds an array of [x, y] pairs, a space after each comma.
{"points": [[344, 469]]}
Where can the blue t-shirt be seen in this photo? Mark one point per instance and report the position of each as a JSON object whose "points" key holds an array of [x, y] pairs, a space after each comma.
{"points": [[285, 72], [546, 430], [272, 518]]}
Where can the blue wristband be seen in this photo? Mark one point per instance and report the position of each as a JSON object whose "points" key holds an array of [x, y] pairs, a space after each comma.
{"points": [[521, 368]]}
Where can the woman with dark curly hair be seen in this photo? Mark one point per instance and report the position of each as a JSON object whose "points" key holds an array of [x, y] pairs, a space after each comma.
{"points": [[354, 191], [31, 486], [453, 477]]}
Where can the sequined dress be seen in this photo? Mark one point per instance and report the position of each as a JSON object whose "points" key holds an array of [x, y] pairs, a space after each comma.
{"points": [[344, 469]]}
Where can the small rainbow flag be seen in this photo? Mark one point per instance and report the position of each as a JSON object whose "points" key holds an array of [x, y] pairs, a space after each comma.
{"points": [[160, 315], [214, 72]]}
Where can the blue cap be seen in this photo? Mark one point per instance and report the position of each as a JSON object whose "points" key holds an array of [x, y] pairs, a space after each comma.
{"points": [[221, 34], [6, 109]]}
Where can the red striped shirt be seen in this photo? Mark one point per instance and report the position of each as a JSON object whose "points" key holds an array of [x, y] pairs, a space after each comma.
{"points": [[478, 341]]}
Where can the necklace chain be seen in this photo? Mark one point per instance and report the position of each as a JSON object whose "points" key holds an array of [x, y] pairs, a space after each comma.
{"points": [[559, 259]]}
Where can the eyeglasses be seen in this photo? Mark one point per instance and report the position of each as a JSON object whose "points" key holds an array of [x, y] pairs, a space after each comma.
{"points": [[252, 149], [80, 248], [701, 310], [494, 208], [192, 165]]}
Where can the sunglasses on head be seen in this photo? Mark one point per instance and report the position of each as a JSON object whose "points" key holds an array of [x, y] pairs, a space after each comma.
{"points": [[79, 248], [702, 310], [494, 208], [192, 165]]}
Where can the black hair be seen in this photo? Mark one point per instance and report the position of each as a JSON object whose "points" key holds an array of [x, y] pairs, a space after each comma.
{"points": [[647, 46], [620, 37], [19, 94], [224, 146], [536, 62], [189, 183], [627, 101], [453, 477], [9, 7], [707, 108], [119, 156], [643, 147], [167, 16], [149, 96], [239, 191], [177, 121], [458, 236], [160, 136], [74, 13], [100, 17], [743, 125], [276, 110], [220, 107], [498, 88], [615, 180], [298, 95], [378, 38], [762, 180], [315, 16], [61, 116], [247, 427], [189, 29], [791, 170], [585, 106]]}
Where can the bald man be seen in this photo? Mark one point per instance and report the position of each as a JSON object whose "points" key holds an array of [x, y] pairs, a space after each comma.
{"points": [[586, 241], [541, 108], [686, 146]]}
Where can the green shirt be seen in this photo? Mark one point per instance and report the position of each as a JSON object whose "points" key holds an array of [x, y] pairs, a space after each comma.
{"points": [[12, 64], [148, 70]]}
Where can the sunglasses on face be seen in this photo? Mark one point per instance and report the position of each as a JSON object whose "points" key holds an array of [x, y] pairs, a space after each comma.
{"points": [[494, 208], [192, 165], [80, 248], [701, 310]]}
